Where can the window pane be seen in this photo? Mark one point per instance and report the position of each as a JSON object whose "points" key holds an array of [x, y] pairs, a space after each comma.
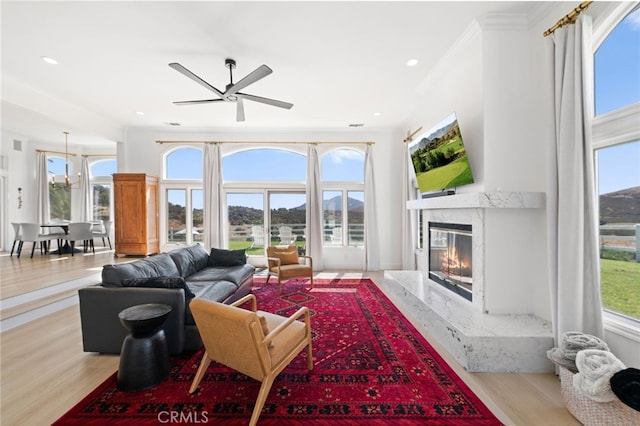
{"points": [[197, 214], [56, 166], [184, 163], [103, 168], [343, 165], [176, 215], [246, 222], [355, 217], [288, 219], [101, 201], [265, 165], [59, 202], [332, 217], [617, 67], [619, 190]]}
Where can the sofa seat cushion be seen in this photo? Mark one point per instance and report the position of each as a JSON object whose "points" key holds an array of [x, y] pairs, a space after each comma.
{"points": [[190, 259], [235, 274], [218, 291], [160, 265]]}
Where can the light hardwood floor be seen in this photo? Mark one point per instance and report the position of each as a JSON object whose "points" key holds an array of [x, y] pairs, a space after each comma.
{"points": [[44, 371]]}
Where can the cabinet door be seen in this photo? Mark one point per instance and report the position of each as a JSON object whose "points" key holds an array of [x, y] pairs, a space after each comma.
{"points": [[130, 209]]}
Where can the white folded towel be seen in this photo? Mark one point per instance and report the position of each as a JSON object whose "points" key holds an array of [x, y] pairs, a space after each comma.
{"points": [[595, 368], [572, 342]]}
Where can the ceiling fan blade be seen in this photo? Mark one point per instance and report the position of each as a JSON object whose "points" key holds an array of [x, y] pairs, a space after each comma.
{"points": [[203, 101], [272, 102], [239, 110], [176, 66], [261, 72]]}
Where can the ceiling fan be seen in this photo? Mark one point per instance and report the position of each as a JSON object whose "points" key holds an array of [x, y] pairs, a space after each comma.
{"points": [[232, 91]]}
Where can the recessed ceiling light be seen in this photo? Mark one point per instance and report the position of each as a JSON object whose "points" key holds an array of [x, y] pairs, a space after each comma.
{"points": [[412, 62], [377, 114], [139, 112], [49, 60]]}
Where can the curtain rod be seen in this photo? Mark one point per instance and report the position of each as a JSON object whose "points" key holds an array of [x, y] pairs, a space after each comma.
{"points": [[271, 143], [56, 152], [410, 136], [569, 18], [99, 155]]}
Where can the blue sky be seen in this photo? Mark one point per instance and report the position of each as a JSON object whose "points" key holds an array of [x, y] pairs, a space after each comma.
{"points": [[617, 84]]}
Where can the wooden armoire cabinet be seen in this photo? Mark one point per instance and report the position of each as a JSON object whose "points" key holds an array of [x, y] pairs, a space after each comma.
{"points": [[136, 214]]}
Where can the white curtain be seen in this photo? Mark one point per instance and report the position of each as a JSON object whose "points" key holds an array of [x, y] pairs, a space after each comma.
{"points": [[42, 189], [409, 218], [372, 244], [85, 191], [213, 206], [571, 203], [314, 208]]}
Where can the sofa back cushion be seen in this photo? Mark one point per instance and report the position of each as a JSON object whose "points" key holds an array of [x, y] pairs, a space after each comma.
{"points": [[190, 260], [222, 257], [161, 282], [155, 266]]}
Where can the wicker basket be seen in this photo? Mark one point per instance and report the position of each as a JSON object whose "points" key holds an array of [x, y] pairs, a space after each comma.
{"points": [[590, 412]]}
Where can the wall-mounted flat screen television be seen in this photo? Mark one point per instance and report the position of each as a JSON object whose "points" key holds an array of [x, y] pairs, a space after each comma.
{"points": [[439, 157]]}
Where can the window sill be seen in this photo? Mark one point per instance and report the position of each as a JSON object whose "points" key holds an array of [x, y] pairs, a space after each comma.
{"points": [[623, 326]]}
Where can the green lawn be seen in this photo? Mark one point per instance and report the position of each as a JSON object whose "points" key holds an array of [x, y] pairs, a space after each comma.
{"points": [[453, 174], [620, 284]]}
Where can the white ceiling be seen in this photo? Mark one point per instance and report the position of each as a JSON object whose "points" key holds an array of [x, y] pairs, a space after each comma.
{"points": [[337, 62]]}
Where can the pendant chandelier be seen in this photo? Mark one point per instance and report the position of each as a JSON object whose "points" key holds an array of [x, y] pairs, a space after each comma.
{"points": [[67, 178]]}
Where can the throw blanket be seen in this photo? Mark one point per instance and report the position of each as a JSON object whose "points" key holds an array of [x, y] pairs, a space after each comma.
{"points": [[571, 343], [595, 369]]}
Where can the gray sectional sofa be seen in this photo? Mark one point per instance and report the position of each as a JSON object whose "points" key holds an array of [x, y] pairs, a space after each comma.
{"points": [[172, 278]]}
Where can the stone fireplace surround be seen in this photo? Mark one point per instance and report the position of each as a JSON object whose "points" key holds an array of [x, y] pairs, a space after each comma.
{"points": [[496, 331]]}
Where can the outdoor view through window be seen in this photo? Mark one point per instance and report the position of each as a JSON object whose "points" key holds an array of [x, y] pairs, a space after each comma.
{"points": [[617, 89]]}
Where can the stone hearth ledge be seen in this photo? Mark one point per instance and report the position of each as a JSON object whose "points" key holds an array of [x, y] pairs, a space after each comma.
{"points": [[479, 342]]}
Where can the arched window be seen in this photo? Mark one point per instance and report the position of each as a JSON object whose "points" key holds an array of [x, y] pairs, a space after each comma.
{"points": [[59, 193], [101, 172], [265, 194], [184, 163], [182, 196], [616, 141], [260, 165], [342, 175]]}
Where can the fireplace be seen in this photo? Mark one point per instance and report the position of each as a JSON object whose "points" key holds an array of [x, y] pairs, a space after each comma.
{"points": [[450, 253]]}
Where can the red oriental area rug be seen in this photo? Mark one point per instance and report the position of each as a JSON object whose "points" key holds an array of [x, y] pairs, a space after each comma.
{"points": [[371, 367]]}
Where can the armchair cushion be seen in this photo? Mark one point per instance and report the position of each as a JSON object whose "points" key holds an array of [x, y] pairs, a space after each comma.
{"points": [[287, 255], [222, 257], [160, 282]]}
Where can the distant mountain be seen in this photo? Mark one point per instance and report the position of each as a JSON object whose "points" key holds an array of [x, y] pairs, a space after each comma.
{"points": [[436, 134], [621, 206]]}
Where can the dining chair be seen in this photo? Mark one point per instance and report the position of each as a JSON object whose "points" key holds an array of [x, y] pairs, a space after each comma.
{"points": [[104, 232], [256, 343], [80, 231], [16, 236], [30, 233]]}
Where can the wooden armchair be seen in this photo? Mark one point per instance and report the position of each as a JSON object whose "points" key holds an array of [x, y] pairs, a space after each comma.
{"points": [[284, 263], [256, 343]]}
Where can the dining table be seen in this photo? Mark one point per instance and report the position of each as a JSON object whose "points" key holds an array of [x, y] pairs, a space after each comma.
{"points": [[66, 248]]}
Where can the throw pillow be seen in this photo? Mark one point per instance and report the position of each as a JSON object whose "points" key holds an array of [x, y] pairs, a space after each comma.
{"points": [[160, 282], [222, 257], [287, 256]]}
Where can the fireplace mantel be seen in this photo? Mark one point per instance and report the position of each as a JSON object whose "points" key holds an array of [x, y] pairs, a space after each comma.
{"points": [[482, 200]]}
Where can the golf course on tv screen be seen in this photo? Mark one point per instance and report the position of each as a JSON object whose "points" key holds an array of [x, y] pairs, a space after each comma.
{"points": [[439, 157]]}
